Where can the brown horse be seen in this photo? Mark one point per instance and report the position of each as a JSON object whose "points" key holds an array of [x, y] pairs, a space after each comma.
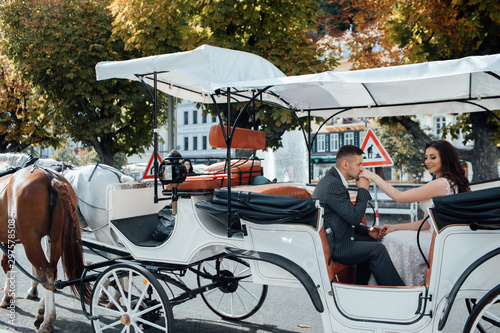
{"points": [[35, 203]]}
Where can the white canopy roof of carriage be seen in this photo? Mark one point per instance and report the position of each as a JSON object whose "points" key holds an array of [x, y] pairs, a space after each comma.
{"points": [[192, 75], [451, 86], [432, 87]]}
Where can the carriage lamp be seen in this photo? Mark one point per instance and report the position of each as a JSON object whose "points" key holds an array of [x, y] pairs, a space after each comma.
{"points": [[172, 172]]}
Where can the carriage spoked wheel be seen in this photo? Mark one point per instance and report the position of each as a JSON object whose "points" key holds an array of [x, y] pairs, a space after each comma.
{"points": [[141, 306], [485, 314], [236, 296]]}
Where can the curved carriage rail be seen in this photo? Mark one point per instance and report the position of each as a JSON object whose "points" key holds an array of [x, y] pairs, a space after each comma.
{"points": [[460, 281], [287, 265]]}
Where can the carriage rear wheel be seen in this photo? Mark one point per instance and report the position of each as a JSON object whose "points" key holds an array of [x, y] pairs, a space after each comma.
{"points": [[129, 295], [236, 297], [470, 303], [485, 314]]}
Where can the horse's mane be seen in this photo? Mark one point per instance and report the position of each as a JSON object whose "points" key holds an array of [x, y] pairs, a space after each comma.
{"points": [[14, 159], [18, 160], [122, 178]]}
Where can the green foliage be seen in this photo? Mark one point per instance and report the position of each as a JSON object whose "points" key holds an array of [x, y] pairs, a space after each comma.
{"points": [[65, 155], [400, 145], [84, 156], [392, 32], [276, 30], [155, 26], [25, 118], [87, 156], [56, 44], [120, 160], [333, 16]]}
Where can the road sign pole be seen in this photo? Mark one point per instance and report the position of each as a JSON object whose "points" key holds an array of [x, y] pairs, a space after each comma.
{"points": [[377, 222]]}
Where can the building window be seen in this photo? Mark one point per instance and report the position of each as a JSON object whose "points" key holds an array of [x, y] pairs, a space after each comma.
{"points": [[186, 143], [195, 143], [204, 119], [214, 119], [321, 143], [186, 118], [195, 117], [334, 142], [439, 123], [349, 138], [204, 142]]}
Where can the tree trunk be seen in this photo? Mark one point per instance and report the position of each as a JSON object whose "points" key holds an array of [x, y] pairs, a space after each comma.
{"points": [[104, 149], [485, 153], [13, 147]]}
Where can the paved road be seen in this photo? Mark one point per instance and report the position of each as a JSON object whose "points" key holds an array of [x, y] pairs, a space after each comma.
{"points": [[285, 310]]}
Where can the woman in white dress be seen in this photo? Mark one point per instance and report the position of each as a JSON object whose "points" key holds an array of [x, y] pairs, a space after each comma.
{"points": [[441, 160]]}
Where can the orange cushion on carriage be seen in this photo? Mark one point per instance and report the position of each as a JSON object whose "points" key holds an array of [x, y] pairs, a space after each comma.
{"points": [[337, 272], [243, 138], [242, 173], [290, 191]]}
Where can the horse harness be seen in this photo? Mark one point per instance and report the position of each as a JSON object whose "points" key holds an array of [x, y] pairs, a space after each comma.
{"points": [[52, 192], [52, 200], [97, 165]]}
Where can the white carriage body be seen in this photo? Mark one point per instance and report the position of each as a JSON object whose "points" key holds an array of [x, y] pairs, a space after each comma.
{"points": [[463, 85], [348, 308]]}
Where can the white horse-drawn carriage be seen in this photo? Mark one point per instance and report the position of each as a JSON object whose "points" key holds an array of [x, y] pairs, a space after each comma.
{"points": [[240, 238]]}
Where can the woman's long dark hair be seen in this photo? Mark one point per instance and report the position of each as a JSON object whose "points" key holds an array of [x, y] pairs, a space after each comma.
{"points": [[450, 165]]}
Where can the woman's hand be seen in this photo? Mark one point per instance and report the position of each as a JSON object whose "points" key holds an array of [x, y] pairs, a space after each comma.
{"points": [[368, 174], [387, 228]]}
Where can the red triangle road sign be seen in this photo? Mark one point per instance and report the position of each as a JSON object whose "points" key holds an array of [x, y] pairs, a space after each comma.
{"points": [[374, 154], [149, 172]]}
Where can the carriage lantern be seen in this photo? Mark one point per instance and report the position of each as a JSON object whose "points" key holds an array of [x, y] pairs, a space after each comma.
{"points": [[172, 172]]}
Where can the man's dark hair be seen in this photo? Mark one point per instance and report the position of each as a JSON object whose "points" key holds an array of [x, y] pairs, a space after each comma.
{"points": [[345, 151]]}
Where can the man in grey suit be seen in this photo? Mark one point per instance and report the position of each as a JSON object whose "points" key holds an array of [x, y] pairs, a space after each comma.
{"points": [[350, 241]]}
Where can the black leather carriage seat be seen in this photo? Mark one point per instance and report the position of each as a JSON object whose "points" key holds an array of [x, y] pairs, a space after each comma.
{"points": [[217, 208], [481, 207], [261, 207]]}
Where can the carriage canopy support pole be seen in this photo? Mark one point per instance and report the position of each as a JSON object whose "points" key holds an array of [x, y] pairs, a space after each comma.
{"points": [[229, 136], [154, 97], [155, 136]]}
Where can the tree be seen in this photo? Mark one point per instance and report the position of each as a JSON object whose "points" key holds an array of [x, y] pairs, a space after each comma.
{"points": [[155, 27], [391, 32], [404, 152], [276, 30], [24, 119], [56, 44]]}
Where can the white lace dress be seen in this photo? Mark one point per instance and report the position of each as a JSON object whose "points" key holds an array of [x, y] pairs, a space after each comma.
{"points": [[403, 248]]}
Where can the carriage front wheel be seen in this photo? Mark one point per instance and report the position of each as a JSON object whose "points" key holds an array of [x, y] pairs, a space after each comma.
{"points": [[235, 296], [128, 298], [485, 315]]}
